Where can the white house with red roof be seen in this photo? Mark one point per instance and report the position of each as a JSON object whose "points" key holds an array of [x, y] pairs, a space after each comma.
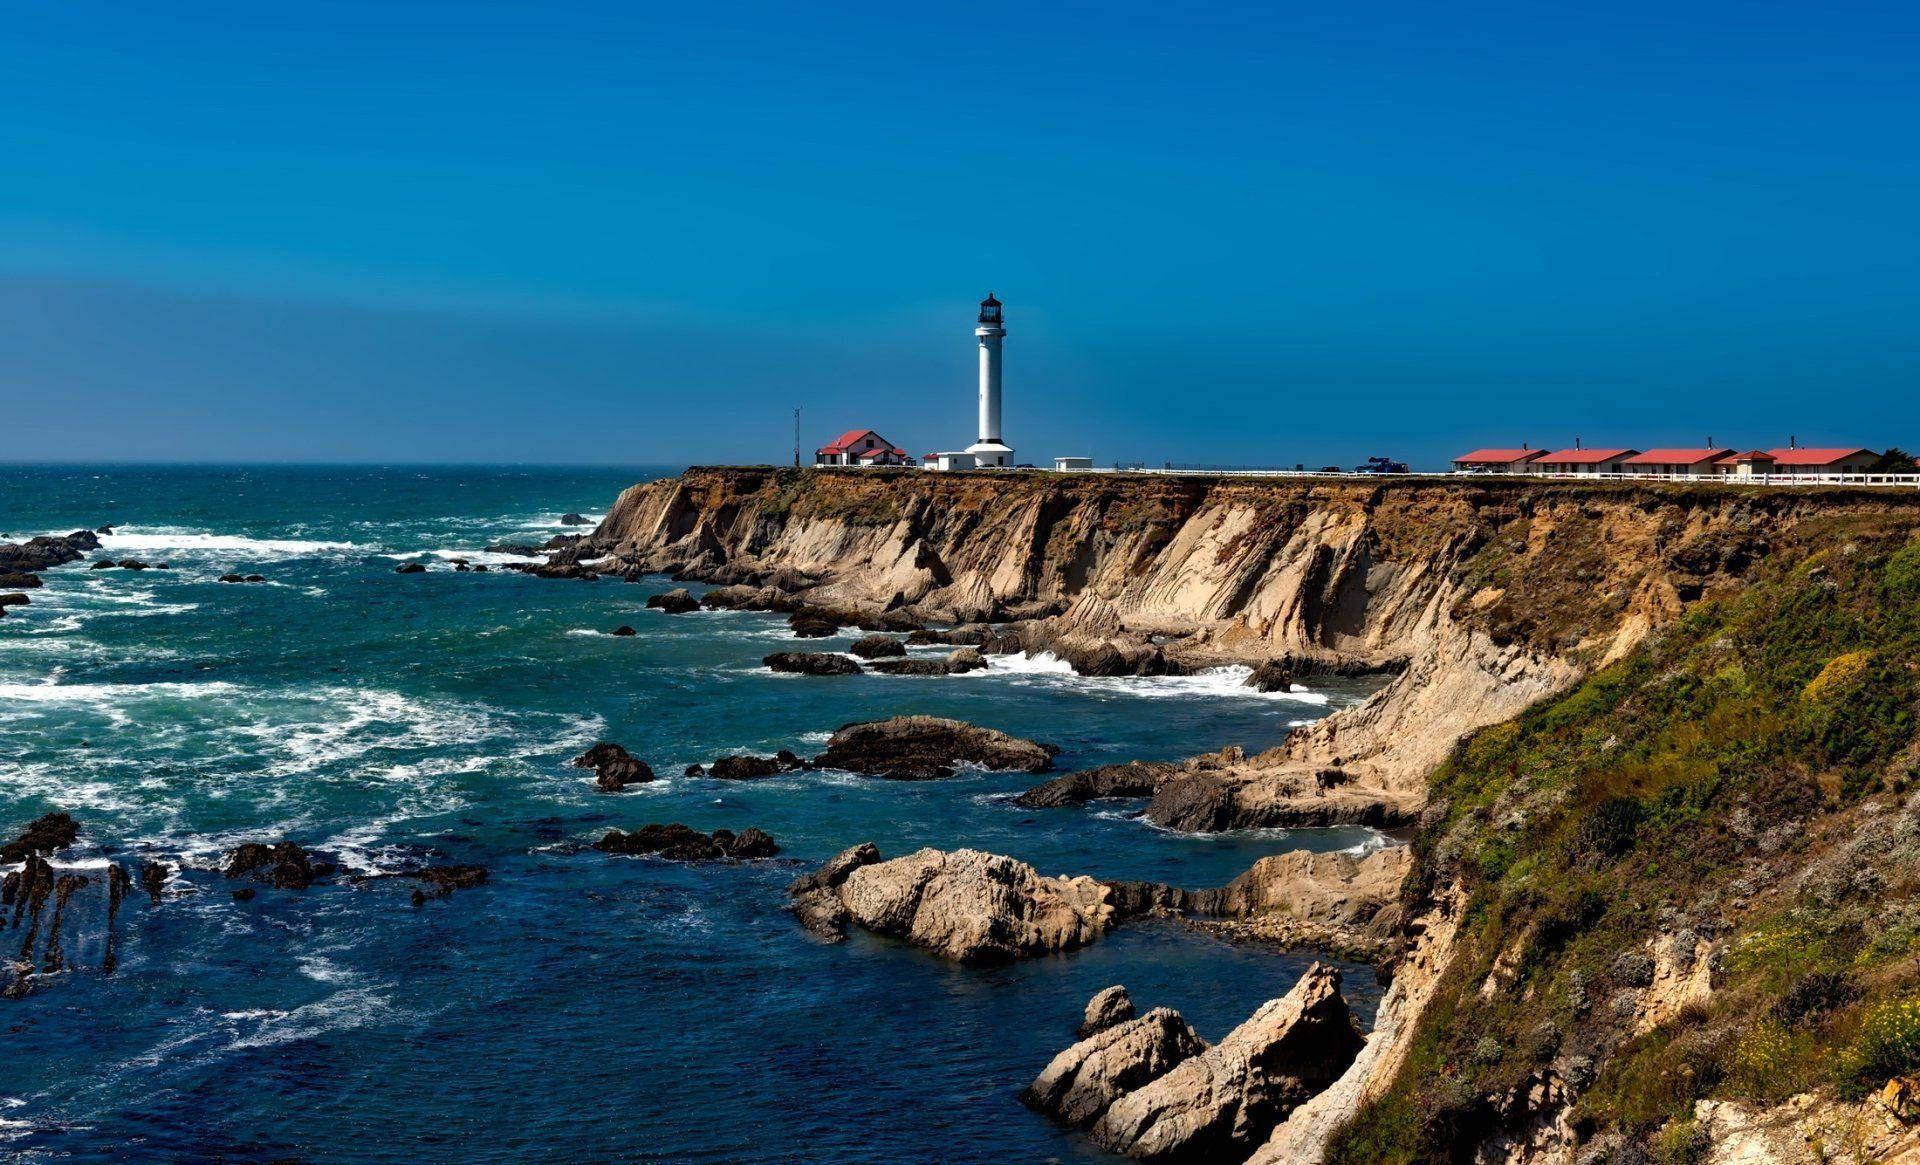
{"points": [[861, 447], [1579, 461], [1707, 462], [1498, 460], [1794, 460]]}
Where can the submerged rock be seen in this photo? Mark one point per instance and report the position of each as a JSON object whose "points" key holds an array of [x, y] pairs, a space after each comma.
{"points": [[54, 831], [916, 748], [410, 568], [283, 865], [1132, 779], [1224, 1102], [682, 843], [812, 663], [968, 906], [622, 632], [614, 767], [517, 548], [674, 602], [1082, 1082], [572, 519], [444, 880], [251, 578]]}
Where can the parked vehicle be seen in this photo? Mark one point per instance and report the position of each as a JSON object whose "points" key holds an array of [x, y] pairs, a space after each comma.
{"points": [[1382, 465]]}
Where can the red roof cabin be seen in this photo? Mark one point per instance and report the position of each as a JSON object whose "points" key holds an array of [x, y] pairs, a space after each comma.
{"points": [[1707, 462], [1498, 460], [1580, 461], [861, 447], [1793, 460]]}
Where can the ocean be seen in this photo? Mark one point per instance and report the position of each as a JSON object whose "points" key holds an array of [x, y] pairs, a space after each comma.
{"points": [[577, 1006]]}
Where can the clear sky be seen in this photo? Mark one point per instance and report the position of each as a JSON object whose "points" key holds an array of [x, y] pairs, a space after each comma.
{"points": [[1259, 233]]}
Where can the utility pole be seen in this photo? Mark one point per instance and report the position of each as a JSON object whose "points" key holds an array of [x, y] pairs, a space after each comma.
{"points": [[796, 438]]}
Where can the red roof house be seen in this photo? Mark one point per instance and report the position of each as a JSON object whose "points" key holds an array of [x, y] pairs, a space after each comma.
{"points": [[860, 447], [1692, 462], [1796, 460], [1584, 461], [1497, 460]]}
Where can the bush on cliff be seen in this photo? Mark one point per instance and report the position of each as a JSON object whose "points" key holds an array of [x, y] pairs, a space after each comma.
{"points": [[1733, 790]]}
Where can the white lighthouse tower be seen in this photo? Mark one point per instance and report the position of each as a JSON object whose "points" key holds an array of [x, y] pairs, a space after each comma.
{"points": [[990, 450]]}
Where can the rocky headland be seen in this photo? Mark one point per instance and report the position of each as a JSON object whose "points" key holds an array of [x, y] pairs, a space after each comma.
{"points": [[1627, 726]]}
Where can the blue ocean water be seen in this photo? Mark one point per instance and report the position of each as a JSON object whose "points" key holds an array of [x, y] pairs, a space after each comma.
{"points": [[578, 1006]]}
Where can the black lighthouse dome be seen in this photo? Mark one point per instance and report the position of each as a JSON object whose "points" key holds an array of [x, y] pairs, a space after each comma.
{"points": [[990, 310]]}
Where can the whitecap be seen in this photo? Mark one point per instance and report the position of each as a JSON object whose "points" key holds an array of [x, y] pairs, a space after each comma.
{"points": [[200, 542], [1229, 681]]}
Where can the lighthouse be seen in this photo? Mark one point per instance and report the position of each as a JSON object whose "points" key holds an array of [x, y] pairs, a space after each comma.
{"points": [[990, 450]]}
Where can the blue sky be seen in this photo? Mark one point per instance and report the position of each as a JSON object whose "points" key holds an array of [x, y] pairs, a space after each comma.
{"points": [[1234, 233]]}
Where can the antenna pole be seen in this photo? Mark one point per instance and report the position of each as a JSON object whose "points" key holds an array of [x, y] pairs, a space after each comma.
{"points": [[796, 438]]}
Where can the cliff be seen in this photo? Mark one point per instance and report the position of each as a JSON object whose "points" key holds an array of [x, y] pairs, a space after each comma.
{"points": [[1658, 741]]}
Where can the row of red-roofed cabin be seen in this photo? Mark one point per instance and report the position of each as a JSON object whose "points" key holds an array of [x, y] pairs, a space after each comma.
{"points": [[1708, 462]]}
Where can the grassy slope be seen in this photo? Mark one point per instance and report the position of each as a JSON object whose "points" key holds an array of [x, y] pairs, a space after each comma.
{"points": [[1742, 777]]}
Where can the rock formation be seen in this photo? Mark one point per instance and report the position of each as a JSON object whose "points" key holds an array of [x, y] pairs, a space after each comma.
{"points": [[1133, 779], [1107, 1007], [55, 831], [877, 647], [282, 865], [917, 748], [674, 602], [45, 552], [1082, 1082], [680, 843], [812, 663], [614, 768], [1223, 1103], [968, 906]]}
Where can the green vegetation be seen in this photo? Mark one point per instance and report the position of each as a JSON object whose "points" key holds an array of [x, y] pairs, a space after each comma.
{"points": [[1734, 791]]}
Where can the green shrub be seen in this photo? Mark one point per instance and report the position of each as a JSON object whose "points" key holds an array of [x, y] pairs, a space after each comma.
{"points": [[1812, 996], [1609, 829], [1888, 1044]]}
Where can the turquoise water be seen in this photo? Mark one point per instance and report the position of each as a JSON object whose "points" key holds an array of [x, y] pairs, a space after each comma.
{"points": [[577, 1006]]}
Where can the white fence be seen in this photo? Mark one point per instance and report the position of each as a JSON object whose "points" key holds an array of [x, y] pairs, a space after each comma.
{"points": [[1910, 480]]}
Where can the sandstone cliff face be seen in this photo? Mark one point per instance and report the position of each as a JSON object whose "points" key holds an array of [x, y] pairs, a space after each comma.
{"points": [[1491, 595]]}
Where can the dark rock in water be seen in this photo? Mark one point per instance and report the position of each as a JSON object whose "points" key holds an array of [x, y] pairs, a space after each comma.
{"points": [[461, 567], [104, 564], [694, 771], [563, 542], [254, 578], [233, 578], [444, 880], [244, 894], [674, 602], [561, 570], [153, 879], [284, 865], [809, 624], [571, 519], [1273, 675], [963, 660], [749, 598], [878, 646], [103, 529], [51, 832], [1105, 1009], [754, 843], [14, 600], [1133, 779], [749, 768], [1108, 657], [410, 568], [132, 564], [519, 548], [483, 568], [812, 663], [814, 902], [914, 748], [681, 843], [912, 666], [14, 578], [622, 631], [46, 551], [163, 566], [613, 767]]}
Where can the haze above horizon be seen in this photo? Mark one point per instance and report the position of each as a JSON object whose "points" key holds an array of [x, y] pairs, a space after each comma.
{"points": [[1225, 233]]}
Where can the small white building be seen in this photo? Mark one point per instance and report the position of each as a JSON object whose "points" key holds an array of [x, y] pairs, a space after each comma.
{"points": [[950, 461], [860, 447], [1072, 464]]}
